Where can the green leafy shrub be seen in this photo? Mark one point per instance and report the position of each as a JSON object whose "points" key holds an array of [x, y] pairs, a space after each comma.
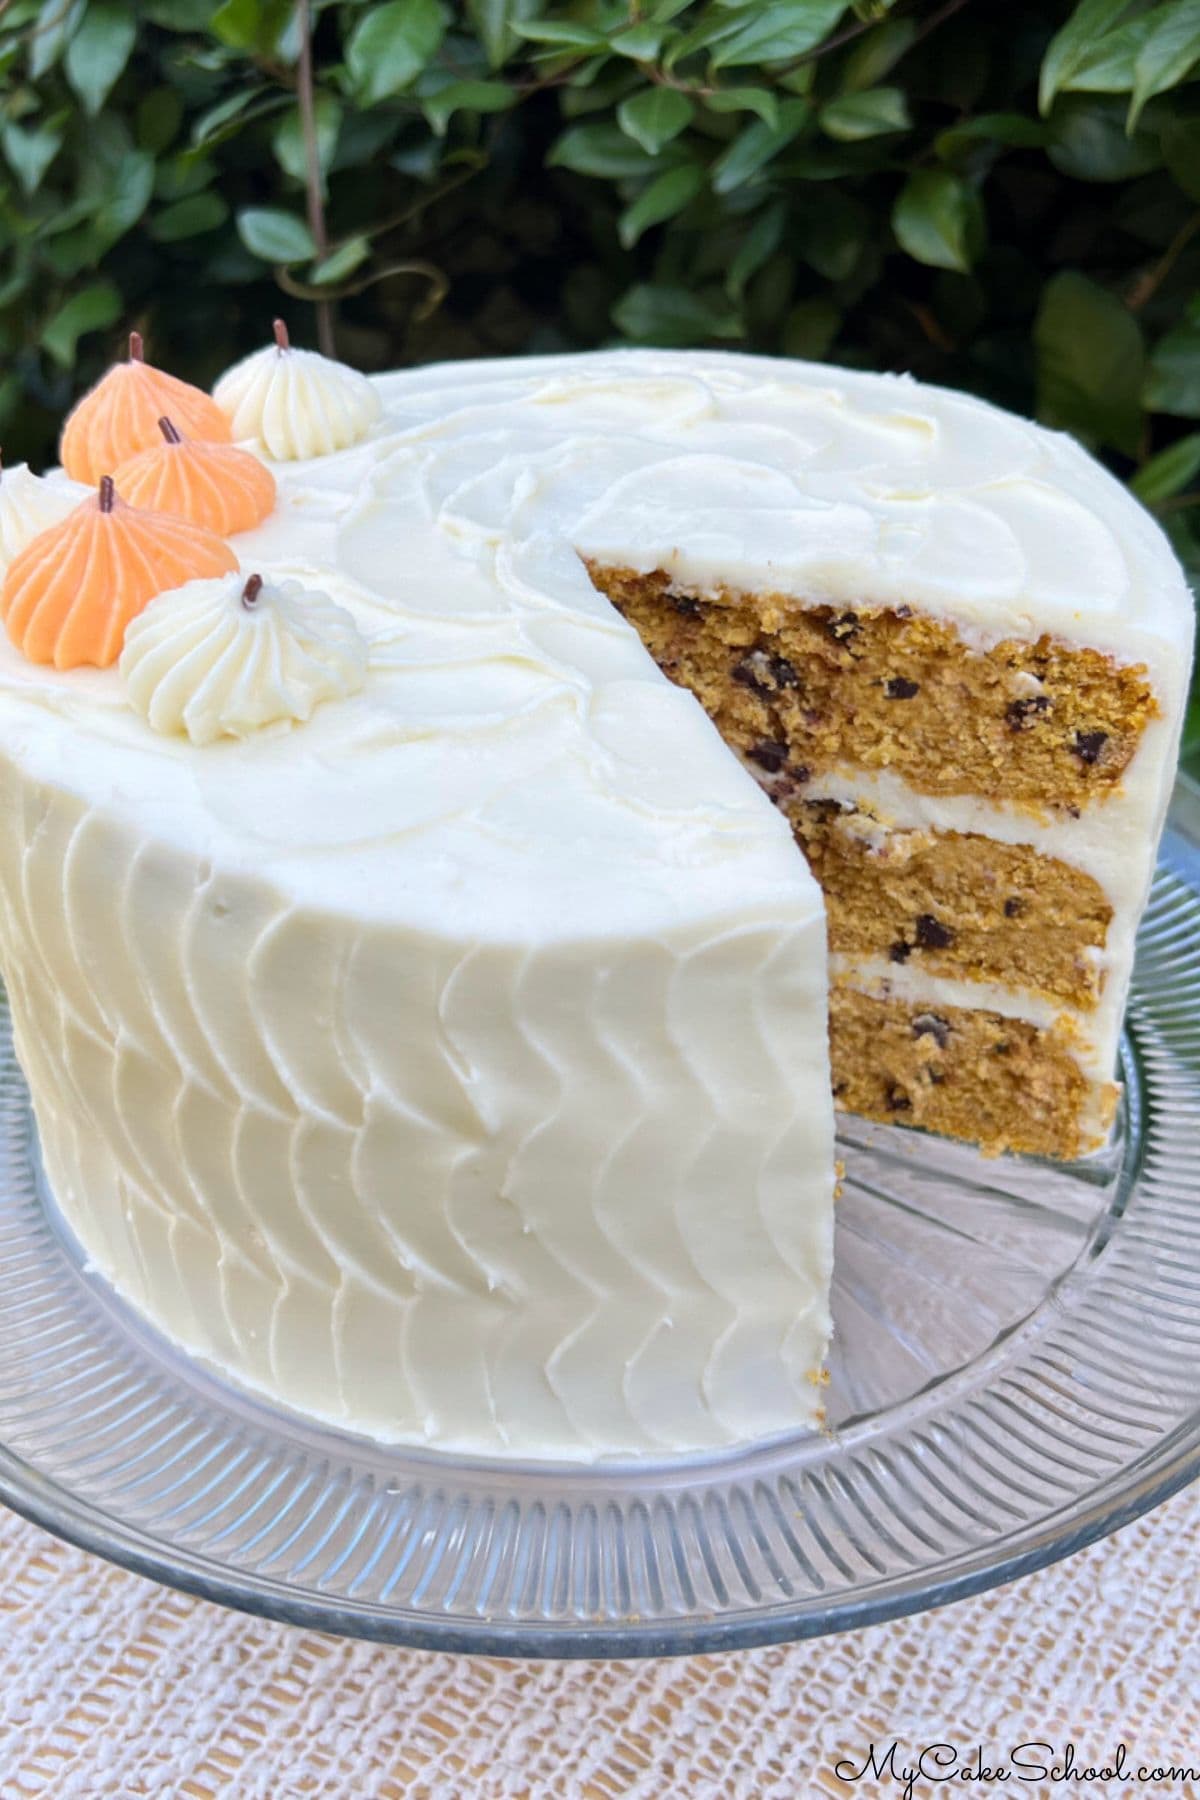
{"points": [[1005, 198]]}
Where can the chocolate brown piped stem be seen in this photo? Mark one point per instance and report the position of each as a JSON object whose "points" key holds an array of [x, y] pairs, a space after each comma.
{"points": [[281, 335], [169, 431], [251, 591], [108, 493], [135, 347]]}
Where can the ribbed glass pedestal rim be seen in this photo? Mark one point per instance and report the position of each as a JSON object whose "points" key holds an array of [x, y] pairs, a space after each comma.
{"points": [[1016, 1373]]}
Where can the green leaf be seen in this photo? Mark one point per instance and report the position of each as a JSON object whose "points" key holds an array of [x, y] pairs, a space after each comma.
{"points": [[179, 177], [600, 149], [189, 218], [996, 128], [938, 219], [391, 44], [672, 316], [1108, 66], [98, 52], [779, 31], [876, 54], [1088, 140], [865, 115], [711, 29], [29, 152], [93, 308], [494, 20], [342, 262], [640, 43], [667, 195], [1170, 471], [561, 33], [1090, 362], [230, 115], [1181, 152], [756, 145], [127, 197], [466, 96], [274, 235], [654, 116], [56, 23], [1173, 384], [1171, 50], [159, 116], [1070, 47], [810, 328], [287, 139], [745, 99], [760, 242], [831, 231], [178, 15], [252, 25]]}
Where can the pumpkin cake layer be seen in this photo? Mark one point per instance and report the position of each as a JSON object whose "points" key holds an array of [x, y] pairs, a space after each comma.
{"points": [[1040, 723], [955, 903], [1029, 742], [1002, 1082]]}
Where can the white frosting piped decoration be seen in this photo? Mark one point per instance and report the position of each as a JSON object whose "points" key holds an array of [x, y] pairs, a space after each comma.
{"points": [[29, 505], [224, 658], [295, 403]]}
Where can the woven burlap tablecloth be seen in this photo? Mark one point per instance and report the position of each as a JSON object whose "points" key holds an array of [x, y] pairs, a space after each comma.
{"points": [[112, 1686]]}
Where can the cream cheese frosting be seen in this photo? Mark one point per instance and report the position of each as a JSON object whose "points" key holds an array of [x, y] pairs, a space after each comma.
{"points": [[456, 1068], [227, 657], [296, 404], [29, 505]]}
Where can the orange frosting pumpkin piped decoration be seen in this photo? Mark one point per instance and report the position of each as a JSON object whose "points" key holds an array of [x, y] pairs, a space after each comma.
{"points": [[120, 416], [69, 595], [211, 484]]}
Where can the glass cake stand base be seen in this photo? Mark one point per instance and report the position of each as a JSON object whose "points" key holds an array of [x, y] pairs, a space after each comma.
{"points": [[1016, 1372]]}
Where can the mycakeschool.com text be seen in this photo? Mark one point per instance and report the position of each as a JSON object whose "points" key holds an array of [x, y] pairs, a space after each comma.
{"points": [[916, 1769]]}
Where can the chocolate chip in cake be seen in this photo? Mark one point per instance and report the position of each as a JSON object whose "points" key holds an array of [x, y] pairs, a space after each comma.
{"points": [[769, 755], [1088, 745], [752, 672], [899, 687], [932, 934], [900, 952], [1001, 1047], [843, 628], [765, 674], [828, 808], [930, 1025], [1012, 906], [690, 609], [897, 1100], [1022, 713], [904, 612]]}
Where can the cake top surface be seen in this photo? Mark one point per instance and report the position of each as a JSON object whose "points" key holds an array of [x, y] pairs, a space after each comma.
{"points": [[515, 764]]}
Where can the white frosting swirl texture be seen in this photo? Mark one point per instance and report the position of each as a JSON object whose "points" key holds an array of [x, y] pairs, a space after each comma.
{"points": [[29, 505], [297, 404], [218, 659]]}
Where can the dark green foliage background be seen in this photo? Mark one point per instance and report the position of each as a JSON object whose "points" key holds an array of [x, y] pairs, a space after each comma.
{"points": [[1000, 196]]}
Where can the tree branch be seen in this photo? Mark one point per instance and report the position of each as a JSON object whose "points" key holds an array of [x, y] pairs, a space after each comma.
{"points": [[314, 197]]}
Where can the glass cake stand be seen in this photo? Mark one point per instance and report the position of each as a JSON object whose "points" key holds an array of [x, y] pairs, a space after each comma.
{"points": [[1016, 1372]]}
